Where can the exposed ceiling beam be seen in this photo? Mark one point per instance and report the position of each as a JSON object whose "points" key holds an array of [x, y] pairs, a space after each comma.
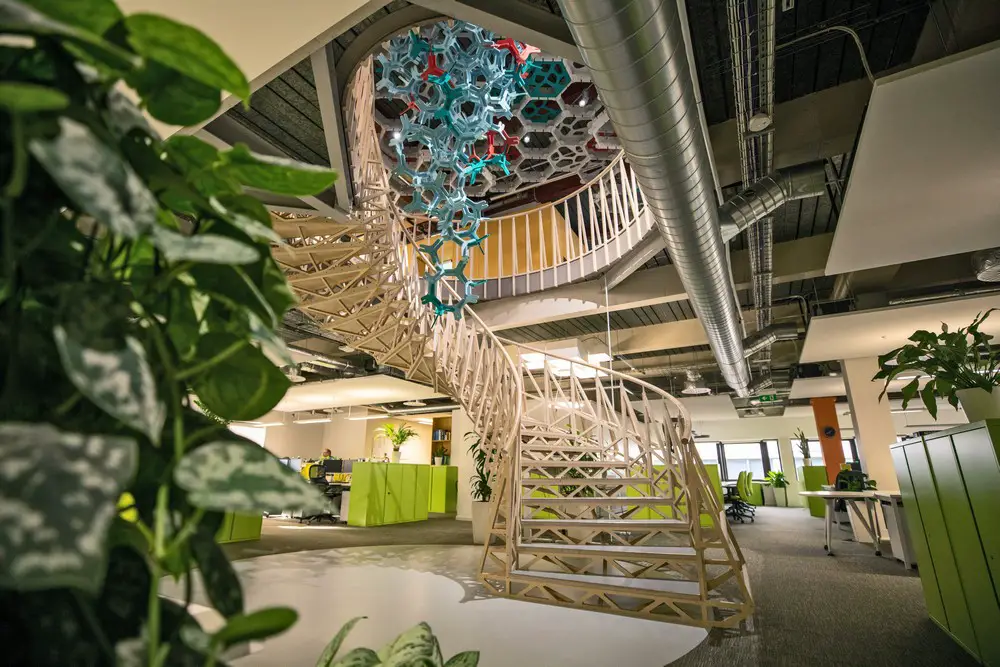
{"points": [[515, 19], [224, 132], [814, 127], [332, 114], [801, 259]]}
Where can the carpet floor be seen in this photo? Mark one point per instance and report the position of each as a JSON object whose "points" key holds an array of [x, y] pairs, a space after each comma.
{"points": [[812, 610], [815, 610]]}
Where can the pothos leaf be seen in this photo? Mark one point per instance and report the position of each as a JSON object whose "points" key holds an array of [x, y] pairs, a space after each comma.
{"points": [[53, 525], [257, 625], [242, 477], [359, 657], [119, 382], [276, 174], [221, 583], [204, 248], [96, 179]]}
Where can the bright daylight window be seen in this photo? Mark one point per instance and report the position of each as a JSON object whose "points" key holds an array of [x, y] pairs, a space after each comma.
{"points": [[742, 456]]}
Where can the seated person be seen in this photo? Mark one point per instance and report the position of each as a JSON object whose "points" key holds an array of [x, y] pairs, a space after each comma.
{"points": [[326, 455]]}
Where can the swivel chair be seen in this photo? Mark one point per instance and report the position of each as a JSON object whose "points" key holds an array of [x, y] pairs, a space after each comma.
{"points": [[741, 509], [317, 477]]}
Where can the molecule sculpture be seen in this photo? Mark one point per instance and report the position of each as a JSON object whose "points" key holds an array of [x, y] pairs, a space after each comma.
{"points": [[459, 83]]}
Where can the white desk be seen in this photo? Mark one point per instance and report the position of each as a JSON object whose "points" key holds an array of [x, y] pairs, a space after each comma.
{"points": [[851, 498]]}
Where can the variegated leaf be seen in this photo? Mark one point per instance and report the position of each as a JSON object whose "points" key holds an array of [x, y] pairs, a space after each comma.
{"points": [[359, 657], [330, 652], [58, 494], [242, 477], [96, 179], [464, 659], [119, 382], [270, 342], [205, 248], [416, 646]]}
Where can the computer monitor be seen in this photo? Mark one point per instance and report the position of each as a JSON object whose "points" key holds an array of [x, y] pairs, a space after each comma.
{"points": [[333, 465]]}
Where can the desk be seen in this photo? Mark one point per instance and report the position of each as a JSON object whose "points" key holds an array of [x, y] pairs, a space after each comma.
{"points": [[851, 499]]}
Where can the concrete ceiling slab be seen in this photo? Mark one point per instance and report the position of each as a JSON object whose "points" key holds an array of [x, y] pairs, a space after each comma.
{"points": [[925, 177], [368, 390], [869, 333]]}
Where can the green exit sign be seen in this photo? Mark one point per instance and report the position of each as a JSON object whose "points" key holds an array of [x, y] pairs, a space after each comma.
{"points": [[768, 398]]}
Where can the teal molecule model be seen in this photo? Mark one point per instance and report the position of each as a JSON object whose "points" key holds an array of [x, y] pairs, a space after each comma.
{"points": [[459, 83]]}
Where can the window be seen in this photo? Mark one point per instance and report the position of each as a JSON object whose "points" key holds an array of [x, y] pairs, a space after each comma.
{"points": [[850, 450], [850, 446], [740, 456], [773, 455], [708, 451]]}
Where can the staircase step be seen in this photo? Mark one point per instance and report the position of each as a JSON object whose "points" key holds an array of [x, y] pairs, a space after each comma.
{"points": [[543, 447], [578, 481], [548, 435], [610, 524], [623, 585], [620, 552], [553, 463], [620, 501]]}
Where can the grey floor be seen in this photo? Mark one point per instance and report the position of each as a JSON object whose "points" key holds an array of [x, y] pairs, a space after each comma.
{"points": [[814, 610], [811, 610]]}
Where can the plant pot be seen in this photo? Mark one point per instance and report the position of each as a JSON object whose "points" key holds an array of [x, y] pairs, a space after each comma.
{"points": [[784, 496], [480, 521], [807, 462], [395, 455], [438, 460], [980, 404]]}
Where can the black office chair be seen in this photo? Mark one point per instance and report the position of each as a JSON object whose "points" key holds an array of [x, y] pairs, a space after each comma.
{"points": [[317, 477]]}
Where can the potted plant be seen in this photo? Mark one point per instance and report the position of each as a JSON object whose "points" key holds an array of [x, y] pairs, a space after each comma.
{"points": [[439, 453], [777, 480], [482, 492], [961, 365], [803, 445], [397, 435]]}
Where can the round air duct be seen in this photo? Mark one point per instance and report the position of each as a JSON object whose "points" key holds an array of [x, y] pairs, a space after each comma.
{"points": [[694, 385], [986, 264]]}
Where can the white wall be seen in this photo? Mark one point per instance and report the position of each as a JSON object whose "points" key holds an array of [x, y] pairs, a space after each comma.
{"points": [[461, 424], [345, 438], [295, 440]]}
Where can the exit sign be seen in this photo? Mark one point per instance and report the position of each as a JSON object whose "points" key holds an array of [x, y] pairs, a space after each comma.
{"points": [[768, 398]]}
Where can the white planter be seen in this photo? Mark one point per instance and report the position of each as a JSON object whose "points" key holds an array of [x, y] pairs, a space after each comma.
{"points": [[781, 497], [980, 404], [395, 455], [768, 493], [438, 460], [480, 521]]}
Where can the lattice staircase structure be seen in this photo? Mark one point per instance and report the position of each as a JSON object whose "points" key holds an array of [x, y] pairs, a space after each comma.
{"points": [[598, 504]]}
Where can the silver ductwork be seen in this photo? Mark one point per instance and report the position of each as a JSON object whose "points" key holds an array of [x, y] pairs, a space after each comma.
{"points": [[765, 338], [769, 194], [636, 55], [986, 264]]}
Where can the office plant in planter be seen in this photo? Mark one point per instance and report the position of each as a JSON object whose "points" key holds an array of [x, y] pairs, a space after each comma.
{"points": [[397, 434], [482, 492], [439, 453], [962, 365], [135, 273], [803, 445], [777, 480]]}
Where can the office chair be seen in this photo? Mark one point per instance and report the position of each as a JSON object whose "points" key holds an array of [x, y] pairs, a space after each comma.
{"points": [[741, 509], [317, 476]]}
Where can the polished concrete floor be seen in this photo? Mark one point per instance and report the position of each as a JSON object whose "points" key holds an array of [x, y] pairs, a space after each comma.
{"points": [[398, 586]]}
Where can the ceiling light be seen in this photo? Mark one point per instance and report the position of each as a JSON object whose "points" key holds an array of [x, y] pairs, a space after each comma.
{"points": [[598, 358], [424, 421], [582, 102], [396, 135], [414, 404], [694, 385], [526, 138], [263, 424], [367, 417], [313, 420]]}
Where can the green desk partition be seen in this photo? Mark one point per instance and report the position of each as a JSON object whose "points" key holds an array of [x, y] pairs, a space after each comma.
{"points": [[813, 478], [385, 493], [950, 483], [239, 528], [444, 489]]}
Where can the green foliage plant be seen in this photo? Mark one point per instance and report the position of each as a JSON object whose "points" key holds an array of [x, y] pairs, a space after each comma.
{"points": [[961, 359], [802, 444], [777, 479], [135, 274], [416, 647], [482, 456], [398, 434]]}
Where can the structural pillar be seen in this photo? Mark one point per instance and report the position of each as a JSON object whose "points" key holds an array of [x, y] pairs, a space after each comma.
{"points": [[787, 455], [873, 424], [828, 427]]}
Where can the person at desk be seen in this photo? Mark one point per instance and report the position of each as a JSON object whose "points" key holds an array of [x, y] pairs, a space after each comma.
{"points": [[326, 455]]}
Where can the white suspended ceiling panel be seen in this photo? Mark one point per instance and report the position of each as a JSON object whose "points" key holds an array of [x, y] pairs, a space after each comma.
{"points": [[352, 391], [926, 178], [869, 333]]}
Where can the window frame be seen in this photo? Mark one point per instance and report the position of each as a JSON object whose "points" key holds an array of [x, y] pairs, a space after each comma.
{"points": [[765, 457]]}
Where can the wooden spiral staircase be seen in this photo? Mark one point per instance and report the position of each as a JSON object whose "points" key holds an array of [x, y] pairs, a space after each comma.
{"points": [[600, 499]]}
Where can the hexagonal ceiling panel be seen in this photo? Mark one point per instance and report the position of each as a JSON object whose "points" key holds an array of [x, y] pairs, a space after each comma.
{"points": [[560, 120]]}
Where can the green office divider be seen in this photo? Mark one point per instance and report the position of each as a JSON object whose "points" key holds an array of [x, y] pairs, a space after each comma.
{"points": [[661, 511], [385, 493], [225, 529], [949, 482], [239, 528], [444, 489], [813, 478], [422, 492]]}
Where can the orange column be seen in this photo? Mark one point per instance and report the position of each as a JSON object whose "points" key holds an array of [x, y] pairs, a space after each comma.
{"points": [[825, 413]]}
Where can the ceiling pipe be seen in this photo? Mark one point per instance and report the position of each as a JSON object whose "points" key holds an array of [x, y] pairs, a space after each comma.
{"points": [[763, 339], [954, 294], [637, 59], [769, 194], [744, 209]]}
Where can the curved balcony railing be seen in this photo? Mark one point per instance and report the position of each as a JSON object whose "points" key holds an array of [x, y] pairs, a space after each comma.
{"points": [[564, 241]]}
